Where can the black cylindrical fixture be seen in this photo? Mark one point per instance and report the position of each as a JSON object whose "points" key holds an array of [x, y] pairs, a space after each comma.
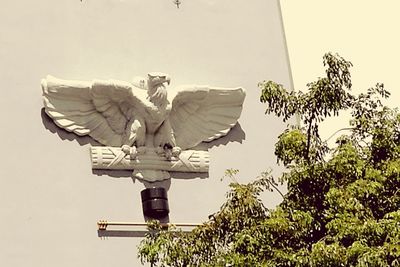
{"points": [[155, 202]]}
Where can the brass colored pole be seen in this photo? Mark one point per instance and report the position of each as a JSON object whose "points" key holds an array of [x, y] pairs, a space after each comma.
{"points": [[102, 225]]}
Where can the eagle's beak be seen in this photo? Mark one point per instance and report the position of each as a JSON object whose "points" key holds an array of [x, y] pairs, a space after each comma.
{"points": [[168, 80]]}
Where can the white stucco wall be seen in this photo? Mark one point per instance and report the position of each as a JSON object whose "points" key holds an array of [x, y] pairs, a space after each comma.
{"points": [[50, 200]]}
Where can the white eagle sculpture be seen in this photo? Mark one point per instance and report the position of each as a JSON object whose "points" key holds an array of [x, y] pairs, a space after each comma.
{"points": [[143, 124]]}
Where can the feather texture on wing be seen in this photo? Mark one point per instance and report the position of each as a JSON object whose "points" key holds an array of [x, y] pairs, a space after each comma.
{"points": [[203, 113], [100, 109]]}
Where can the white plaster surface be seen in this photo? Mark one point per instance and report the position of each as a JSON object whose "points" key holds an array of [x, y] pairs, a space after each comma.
{"points": [[50, 200]]}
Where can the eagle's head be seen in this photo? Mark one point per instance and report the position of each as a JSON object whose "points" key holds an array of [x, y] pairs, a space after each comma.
{"points": [[157, 91], [156, 79]]}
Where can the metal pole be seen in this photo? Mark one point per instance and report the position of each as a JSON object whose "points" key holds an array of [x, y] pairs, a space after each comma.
{"points": [[102, 225]]}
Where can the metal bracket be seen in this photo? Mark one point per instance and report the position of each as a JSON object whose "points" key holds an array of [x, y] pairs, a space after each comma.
{"points": [[102, 225]]}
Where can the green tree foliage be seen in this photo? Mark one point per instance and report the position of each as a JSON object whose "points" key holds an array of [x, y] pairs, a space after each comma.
{"points": [[342, 207]]}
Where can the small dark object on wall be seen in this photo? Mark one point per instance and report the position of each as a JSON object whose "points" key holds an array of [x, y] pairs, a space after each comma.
{"points": [[176, 2], [155, 202]]}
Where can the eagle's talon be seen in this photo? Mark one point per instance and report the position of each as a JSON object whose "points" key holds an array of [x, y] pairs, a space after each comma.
{"points": [[126, 149], [176, 151], [168, 154], [133, 152], [170, 151]]}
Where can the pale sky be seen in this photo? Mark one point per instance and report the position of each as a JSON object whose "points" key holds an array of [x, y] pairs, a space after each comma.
{"points": [[363, 32]]}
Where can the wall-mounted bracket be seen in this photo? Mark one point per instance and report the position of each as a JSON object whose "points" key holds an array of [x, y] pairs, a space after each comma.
{"points": [[102, 225]]}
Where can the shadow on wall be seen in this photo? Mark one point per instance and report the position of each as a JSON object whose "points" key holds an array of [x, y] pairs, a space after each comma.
{"points": [[120, 233], [63, 134], [236, 134]]}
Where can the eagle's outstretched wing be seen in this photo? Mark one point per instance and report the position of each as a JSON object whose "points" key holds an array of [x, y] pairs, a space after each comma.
{"points": [[203, 113], [100, 109]]}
